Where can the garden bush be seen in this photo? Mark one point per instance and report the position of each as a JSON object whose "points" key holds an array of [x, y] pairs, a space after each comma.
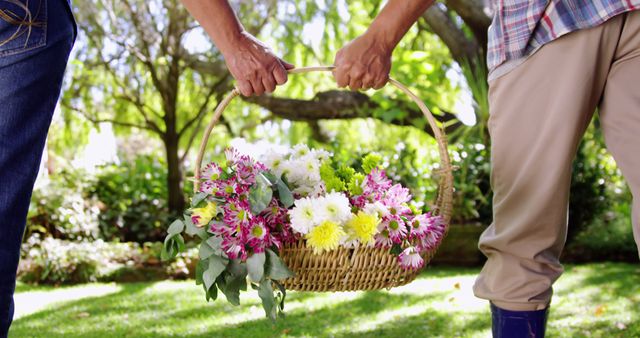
{"points": [[132, 200], [61, 208], [54, 261]]}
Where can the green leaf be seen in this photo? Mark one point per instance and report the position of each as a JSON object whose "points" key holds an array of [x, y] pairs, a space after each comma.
{"points": [[237, 268], [286, 197], [268, 300], [255, 265], [284, 294], [179, 243], [260, 196], [276, 269], [215, 242], [233, 285], [197, 198], [217, 264], [167, 252], [396, 249], [176, 227], [270, 177], [202, 265], [212, 293], [205, 250]]}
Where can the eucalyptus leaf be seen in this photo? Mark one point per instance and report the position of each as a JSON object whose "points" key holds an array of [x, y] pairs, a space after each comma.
{"points": [[233, 285], [283, 290], [217, 264], [396, 249], [270, 177], [197, 198], [168, 251], [200, 269], [259, 197], [255, 265], [265, 291], [212, 293], [215, 242], [276, 269], [237, 268], [286, 197], [176, 227], [205, 250]]}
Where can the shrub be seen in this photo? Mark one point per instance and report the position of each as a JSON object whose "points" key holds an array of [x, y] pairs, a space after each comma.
{"points": [[132, 199], [56, 261], [60, 208]]}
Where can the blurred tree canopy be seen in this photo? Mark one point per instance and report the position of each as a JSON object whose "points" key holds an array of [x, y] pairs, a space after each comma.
{"points": [[146, 66]]}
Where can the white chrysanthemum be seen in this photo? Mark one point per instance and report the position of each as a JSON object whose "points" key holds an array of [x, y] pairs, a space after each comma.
{"points": [[304, 216], [334, 207], [273, 159], [376, 208], [296, 173], [321, 155], [300, 150]]}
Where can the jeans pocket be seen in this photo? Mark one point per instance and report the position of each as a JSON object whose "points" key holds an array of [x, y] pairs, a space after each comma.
{"points": [[23, 25]]}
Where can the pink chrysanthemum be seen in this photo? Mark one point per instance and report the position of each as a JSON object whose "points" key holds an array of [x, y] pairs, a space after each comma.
{"points": [[234, 248], [410, 258], [383, 240], [420, 225], [396, 227], [211, 172], [237, 212], [232, 156]]}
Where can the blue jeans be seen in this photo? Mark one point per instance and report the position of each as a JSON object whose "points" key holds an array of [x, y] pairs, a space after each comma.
{"points": [[36, 37]]}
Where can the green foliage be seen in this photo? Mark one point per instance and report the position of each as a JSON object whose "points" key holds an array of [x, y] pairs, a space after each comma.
{"points": [[331, 181], [472, 188], [594, 182], [133, 200], [371, 161], [56, 261], [61, 208]]}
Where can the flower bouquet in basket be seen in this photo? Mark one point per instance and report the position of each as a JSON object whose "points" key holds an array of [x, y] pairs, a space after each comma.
{"points": [[247, 210]]}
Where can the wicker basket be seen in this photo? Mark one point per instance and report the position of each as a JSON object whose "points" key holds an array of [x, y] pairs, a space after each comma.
{"points": [[364, 268]]}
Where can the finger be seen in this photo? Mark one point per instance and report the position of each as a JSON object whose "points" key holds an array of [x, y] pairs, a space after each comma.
{"points": [[245, 88], [355, 84], [257, 86], [381, 81], [269, 83], [280, 75], [342, 78], [368, 81], [286, 64]]}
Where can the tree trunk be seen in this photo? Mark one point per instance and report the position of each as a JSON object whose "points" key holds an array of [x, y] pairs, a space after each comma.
{"points": [[175, 198]]}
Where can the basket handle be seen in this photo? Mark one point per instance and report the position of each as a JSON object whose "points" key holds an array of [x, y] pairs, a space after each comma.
{"points": [[445, 193]]}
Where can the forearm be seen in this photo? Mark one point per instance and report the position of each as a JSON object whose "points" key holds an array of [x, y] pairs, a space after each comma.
{"points": [[395, 19], [218, 20]]}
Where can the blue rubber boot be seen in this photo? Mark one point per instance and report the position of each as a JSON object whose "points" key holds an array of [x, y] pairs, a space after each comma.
{"points": [[518, 324]]}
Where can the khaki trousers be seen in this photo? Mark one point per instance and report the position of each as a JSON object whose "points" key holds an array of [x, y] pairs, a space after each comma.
{"points": [[539, 112]]}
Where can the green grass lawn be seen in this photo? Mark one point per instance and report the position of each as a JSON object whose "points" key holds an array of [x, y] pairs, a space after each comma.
{"points": [[595, 300]]}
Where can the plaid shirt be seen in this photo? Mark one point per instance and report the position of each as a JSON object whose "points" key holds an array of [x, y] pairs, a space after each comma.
{"points": [[520, 27]]}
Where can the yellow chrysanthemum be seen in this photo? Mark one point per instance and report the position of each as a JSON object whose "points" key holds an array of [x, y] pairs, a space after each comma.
{"points": [[202, 216], [363, 227], [325, 237]]}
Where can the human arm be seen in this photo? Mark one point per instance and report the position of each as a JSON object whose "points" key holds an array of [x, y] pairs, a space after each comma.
{"points": [[365, 62], [251, 62]]}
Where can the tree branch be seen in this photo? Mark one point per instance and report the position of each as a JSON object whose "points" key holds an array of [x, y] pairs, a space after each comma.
{"points": [[337, 104], [461, 47], [474, 15]]}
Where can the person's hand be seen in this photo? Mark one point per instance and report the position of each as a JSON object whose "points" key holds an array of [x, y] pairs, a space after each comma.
{"points": [[254, 66], [362, 64]]}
